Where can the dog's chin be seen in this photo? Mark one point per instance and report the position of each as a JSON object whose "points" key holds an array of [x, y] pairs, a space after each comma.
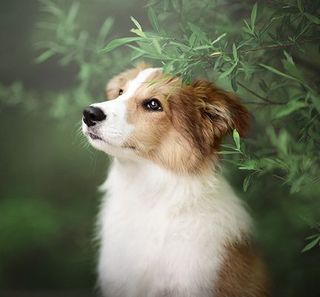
{"points": [[112, 149]]}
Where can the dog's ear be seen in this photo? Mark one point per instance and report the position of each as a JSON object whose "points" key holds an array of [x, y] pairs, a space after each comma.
{"points": [[204, 114], [221, 111]]}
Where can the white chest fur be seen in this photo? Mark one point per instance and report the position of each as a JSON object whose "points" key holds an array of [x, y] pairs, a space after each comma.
{"points": [[163, 234]]}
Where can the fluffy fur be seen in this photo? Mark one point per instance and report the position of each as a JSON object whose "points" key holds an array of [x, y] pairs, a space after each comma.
{"points": [[170, 225]]}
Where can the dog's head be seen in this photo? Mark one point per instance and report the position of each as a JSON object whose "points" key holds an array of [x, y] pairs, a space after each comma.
{"points": [[154, 116]]}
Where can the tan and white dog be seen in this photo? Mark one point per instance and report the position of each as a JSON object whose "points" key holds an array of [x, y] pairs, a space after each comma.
{"points": [[170, 225]]}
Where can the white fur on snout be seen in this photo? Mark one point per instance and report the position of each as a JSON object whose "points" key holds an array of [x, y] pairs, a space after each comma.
{"points": [[115, 129]]}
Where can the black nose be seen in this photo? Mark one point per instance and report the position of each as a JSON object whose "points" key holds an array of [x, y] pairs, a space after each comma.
{"points": [[91, 115]]}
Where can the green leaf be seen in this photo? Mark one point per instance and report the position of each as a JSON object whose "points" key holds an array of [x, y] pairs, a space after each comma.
{"points": [[138, 32], [300, 6], [136, 23], [168, 67], [246, 182], [201, 35], [311, 244], [153, 19], [84, 71], [236, 138], [105, 29], [192, 39], [52, 8], [288, 57], [137, 56], [289, 108], [234, 52], [202, 47], [119, 42], [247, 28], [45, 56], [228, 146], [249, 165], [276, 71], [254, 16], [229, 71], [312, 18], [228, 152], [156, 45], [195, 29], [72, 13], [138, 49], [218, 38], [283, 142], [312, 236], [296, 185]]}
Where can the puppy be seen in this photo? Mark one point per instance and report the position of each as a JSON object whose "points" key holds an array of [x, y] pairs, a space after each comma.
{"points": [[170, 225]]}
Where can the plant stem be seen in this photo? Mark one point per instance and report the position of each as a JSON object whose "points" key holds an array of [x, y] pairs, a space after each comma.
{"points": [[277, 46], [266, 100]]}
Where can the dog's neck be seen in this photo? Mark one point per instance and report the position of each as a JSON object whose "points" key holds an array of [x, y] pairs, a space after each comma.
{"points": [[148, 182], [151, 187]]}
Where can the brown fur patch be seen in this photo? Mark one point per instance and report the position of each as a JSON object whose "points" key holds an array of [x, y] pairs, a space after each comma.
{"points": [[242, 273]]}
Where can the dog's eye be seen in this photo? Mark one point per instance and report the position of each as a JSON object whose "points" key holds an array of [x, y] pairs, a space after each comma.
{"points": [[152, 105], [120, 92]]}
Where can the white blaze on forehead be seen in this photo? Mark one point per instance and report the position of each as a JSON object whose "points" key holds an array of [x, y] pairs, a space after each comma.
{"points": [[138, 81], [133, 85]]}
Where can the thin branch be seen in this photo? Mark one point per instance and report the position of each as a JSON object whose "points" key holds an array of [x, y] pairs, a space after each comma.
{"points": [[267, 46], [277, 46], [252, 92], [279, 177], [266, 100], [255, 103]]}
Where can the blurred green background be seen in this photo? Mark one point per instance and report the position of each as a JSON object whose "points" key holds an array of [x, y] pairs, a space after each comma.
{"points": [[49, 176]]}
